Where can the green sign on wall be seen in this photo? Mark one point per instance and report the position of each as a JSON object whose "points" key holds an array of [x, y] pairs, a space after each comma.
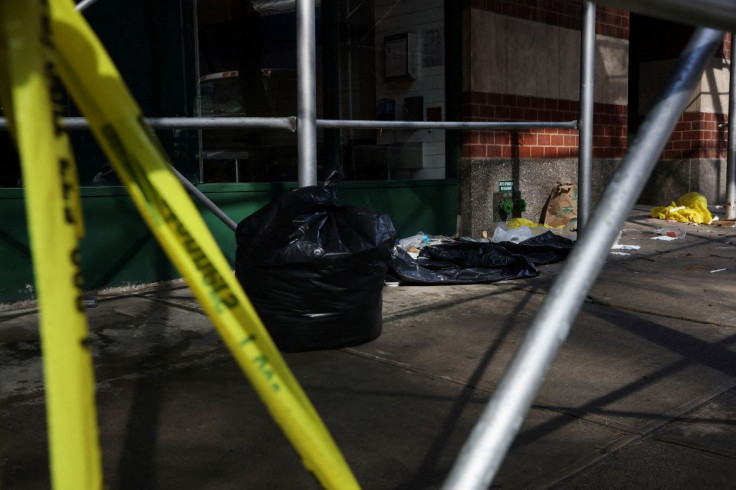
{"points": [[505, 186]]}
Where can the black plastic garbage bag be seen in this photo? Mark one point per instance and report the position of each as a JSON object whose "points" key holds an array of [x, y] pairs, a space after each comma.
{"points": [[314, 270], [546, 248], [477, 262]]}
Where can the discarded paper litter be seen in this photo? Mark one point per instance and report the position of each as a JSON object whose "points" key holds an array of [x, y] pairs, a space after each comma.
{"points": [[562, 204]]}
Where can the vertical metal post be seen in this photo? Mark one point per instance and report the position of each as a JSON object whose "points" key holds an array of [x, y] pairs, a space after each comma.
{"points": [[501, 419], [587, 93], [198, 92], [731, 159], [307, 92]]}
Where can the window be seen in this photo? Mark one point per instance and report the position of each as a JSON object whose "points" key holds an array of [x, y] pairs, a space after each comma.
{"points": [[391, 67], [247, 68], [377, 59]]}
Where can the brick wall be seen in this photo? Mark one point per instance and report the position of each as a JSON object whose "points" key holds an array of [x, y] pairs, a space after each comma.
{"points": [[609, 133], [698, 135], [610, 119], [564, 13], [725, 47]]}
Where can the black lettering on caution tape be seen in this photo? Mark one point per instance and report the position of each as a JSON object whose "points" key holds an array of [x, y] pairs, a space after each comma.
{"points": [[219, 290], [58, 99]]}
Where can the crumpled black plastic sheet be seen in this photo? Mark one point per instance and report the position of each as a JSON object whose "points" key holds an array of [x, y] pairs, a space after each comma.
{"points": [[477, 262], [314, 270], [543, 249]]}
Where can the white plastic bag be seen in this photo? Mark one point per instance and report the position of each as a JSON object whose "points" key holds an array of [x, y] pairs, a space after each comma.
{"points": [[514, 235]]}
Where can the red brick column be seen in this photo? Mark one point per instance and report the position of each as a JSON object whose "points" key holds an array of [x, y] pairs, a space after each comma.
{"points": [[698, 135]]}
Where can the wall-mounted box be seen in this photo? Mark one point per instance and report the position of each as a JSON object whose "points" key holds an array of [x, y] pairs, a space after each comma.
{"points": [[414, 108], [401, 56]]}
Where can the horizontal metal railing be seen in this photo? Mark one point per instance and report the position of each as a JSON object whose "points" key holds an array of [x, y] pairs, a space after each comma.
{"points": [[466, 125], [290, 124], [287, 123]]}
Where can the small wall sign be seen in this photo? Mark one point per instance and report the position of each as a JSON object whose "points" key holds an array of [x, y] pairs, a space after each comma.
{"points": [[505, 186]]}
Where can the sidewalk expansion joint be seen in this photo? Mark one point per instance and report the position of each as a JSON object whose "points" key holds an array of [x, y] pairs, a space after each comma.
{"points": [[407, 367], [694, 448], [598, 302], [651, 434], [415, 310], [567, 413], [193, 309], [530, 289]]}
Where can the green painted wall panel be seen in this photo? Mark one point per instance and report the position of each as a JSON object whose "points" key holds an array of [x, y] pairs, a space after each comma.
{"points": [[118, 249], [16, 281], [428, 206]]}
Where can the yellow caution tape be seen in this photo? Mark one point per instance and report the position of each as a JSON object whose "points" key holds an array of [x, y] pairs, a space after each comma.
{"points": [[137, 157], [32, 91]]}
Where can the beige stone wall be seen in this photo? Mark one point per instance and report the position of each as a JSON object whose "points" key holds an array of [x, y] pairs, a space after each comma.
{"points": [[713, 91], [509, 55], [711, 95]]}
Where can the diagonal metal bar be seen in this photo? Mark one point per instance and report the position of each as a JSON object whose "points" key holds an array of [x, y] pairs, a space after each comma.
{"points": [[720, 14], [500, 421], [81, 6], [206, 202]]}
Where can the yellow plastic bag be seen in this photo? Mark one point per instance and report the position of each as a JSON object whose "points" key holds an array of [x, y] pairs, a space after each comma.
{"points": [[690, 208], [517, 222]]}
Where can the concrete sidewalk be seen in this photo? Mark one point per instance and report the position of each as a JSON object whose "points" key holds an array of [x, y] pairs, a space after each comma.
{"points": [[642, 394]]}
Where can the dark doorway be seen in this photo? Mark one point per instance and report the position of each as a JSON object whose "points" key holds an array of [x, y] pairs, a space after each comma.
{"points": [[653, 43]]}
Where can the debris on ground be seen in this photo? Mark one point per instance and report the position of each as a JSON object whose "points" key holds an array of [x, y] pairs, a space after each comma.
{"points": [[690, 208], [672, 231], [415, 243], [463, 261], [562, 203], [620, 246], [664, 238], [519, 229]]}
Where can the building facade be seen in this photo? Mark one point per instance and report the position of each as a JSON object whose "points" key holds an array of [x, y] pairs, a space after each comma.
{"points": [[420, 60]]}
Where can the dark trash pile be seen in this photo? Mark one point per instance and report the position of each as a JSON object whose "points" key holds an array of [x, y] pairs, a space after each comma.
{"points": [[315, 270], [477, 262]]}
